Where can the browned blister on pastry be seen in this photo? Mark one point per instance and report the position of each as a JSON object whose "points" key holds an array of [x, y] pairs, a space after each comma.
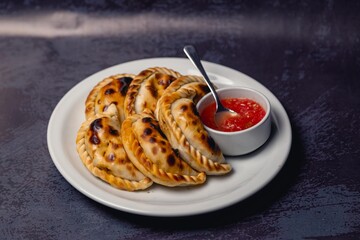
{"points": [[111, 90], [146, 88], [153, 155], [100, 148], [179, 120]]}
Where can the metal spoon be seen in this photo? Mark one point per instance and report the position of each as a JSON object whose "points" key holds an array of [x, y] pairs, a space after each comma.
{"points": [[221, 113]]}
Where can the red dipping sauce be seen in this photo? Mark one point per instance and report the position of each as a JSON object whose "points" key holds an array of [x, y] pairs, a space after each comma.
{"points": [[250, 113]]}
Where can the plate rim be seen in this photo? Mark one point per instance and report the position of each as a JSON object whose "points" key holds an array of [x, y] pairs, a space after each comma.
{"points": [[202, 210]]}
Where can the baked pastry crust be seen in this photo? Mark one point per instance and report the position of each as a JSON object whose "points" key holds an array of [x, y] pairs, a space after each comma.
{"points": [[146, 88], [153, 155], [100, 148], [179, 120], [111, 90]]}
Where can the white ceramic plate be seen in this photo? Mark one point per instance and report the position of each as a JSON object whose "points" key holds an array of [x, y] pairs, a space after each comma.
{"points": [[250, 173]]}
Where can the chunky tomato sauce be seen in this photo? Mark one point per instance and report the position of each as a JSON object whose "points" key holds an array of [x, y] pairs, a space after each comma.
{"points": [[250, 113]]}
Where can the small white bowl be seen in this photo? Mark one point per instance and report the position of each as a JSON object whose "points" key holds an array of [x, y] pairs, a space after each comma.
{"points": [[244, 141]]}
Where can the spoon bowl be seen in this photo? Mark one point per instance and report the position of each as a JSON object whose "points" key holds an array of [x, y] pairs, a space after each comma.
{"points": [[221, 113]]}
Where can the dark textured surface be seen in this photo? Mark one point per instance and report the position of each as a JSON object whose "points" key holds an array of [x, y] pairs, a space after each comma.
{"points": [[306, 52]]}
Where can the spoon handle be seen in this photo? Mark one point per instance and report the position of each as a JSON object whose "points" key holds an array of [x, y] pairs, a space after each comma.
{"points": [[191, 53]]}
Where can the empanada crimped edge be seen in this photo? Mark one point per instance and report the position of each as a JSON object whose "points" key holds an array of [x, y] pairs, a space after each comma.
{"points": [[132, 94], [147, 167], [175, 135], [104, 175]]}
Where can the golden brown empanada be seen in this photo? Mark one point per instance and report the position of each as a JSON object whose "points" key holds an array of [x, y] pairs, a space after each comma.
{"points": [[153, 155], [100, 148], [179, 120], [111, 90], [146, 88]]}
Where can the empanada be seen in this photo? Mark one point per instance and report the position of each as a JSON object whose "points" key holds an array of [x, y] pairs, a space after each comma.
{"points": [[111, 90], [153, 155], [100, 148], [146, 88], [179, 120]]}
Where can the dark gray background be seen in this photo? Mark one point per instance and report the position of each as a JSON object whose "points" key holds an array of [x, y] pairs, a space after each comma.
{"points": [[305, 52]]}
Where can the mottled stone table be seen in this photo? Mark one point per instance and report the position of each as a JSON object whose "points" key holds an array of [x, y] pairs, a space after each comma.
{"points": [[306, 52]]}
